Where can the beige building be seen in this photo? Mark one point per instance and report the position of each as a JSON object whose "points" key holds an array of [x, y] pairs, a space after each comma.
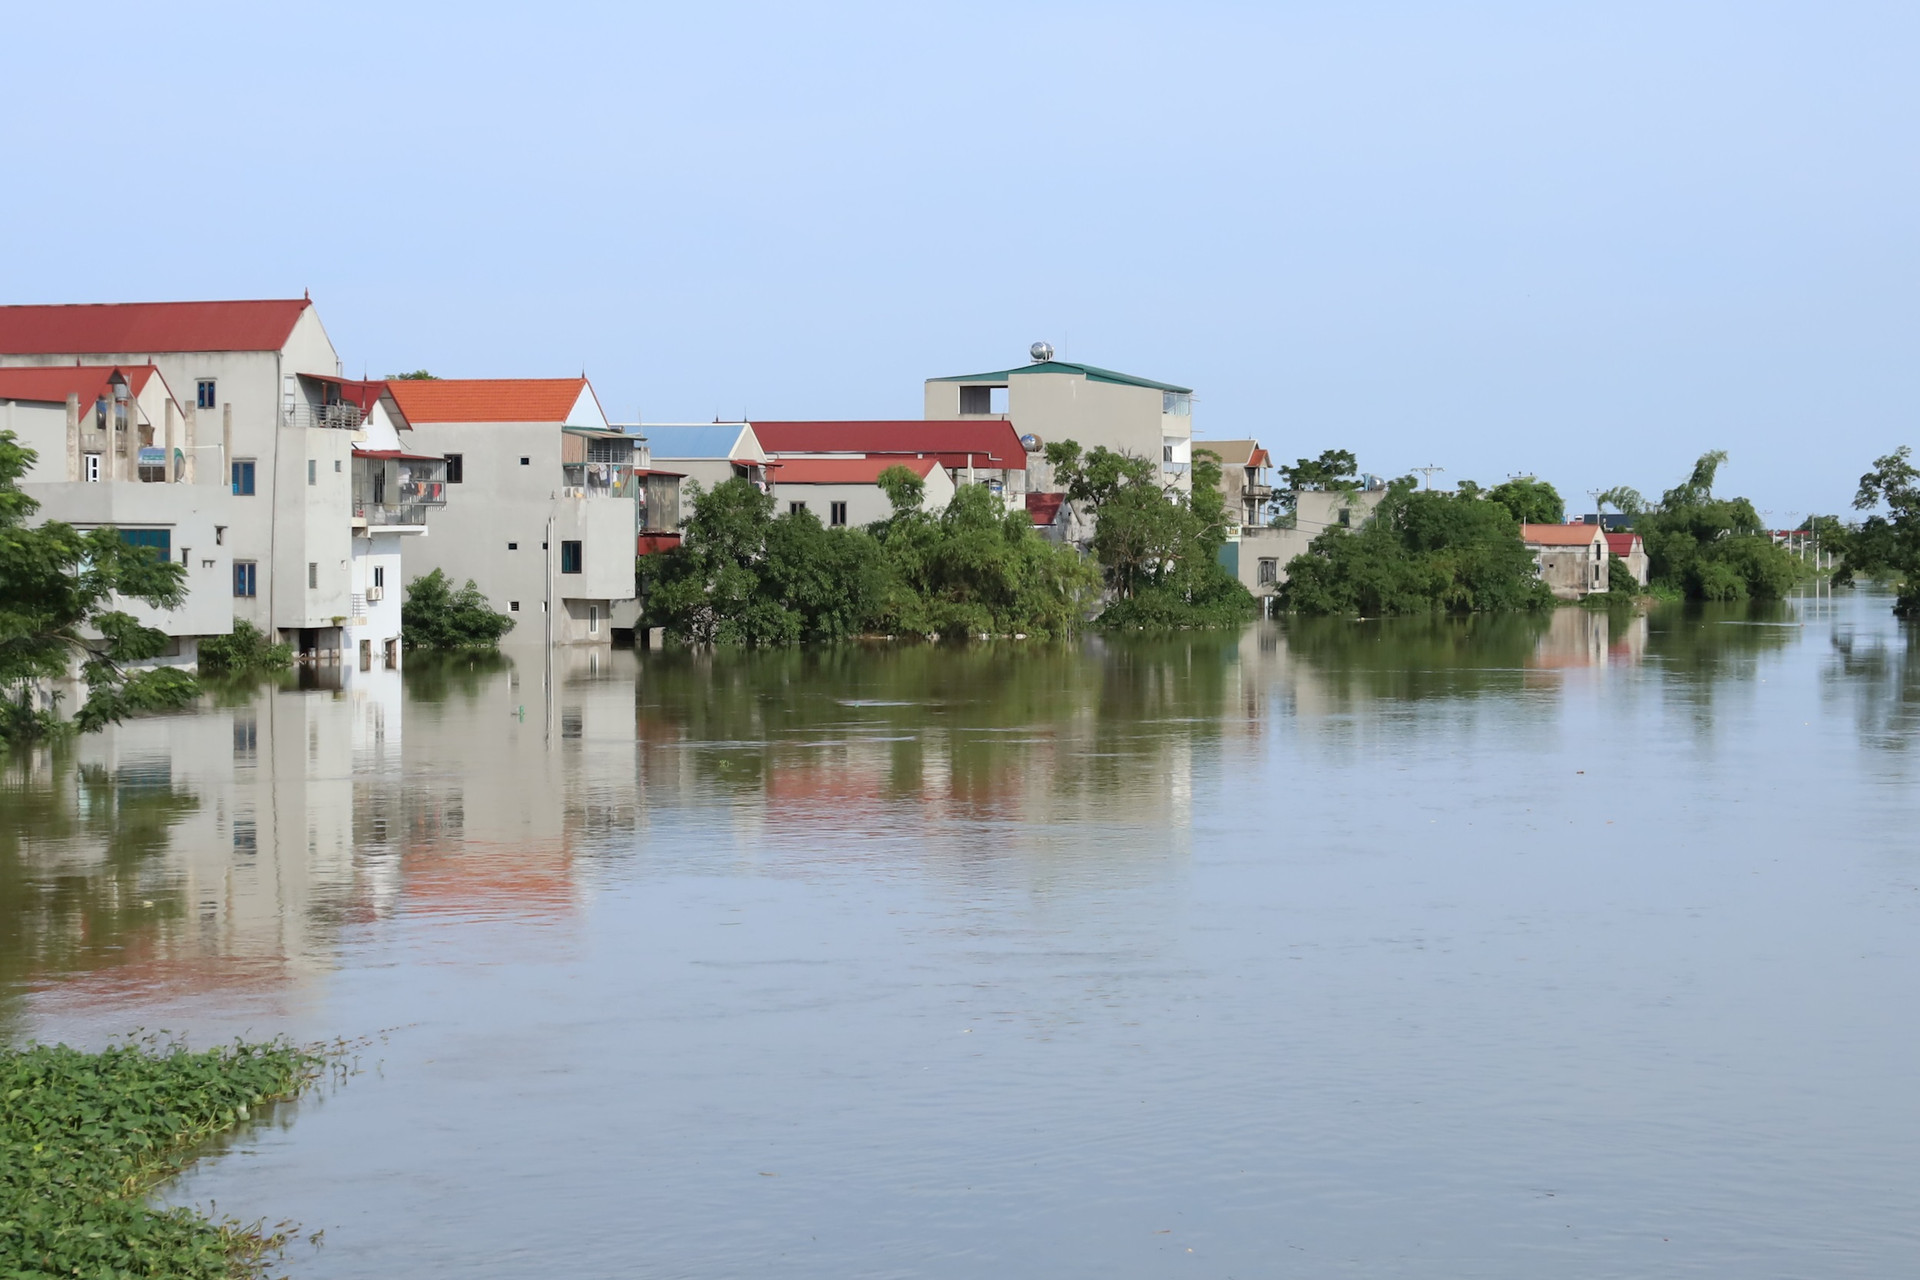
{"points": [[1631, 549], [550, 541], [111, 451], [1572, 557], [1243, 477], [708, 453], [1051, 400], [845, 493]]}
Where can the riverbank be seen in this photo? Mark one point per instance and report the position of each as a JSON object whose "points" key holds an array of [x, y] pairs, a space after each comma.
{"points": [[85, 1136]]}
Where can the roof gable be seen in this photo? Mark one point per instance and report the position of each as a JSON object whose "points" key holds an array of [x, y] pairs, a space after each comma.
{"points": [[52, 384], [1560, 535], [487, 399], [698, 440], [116, 327]]}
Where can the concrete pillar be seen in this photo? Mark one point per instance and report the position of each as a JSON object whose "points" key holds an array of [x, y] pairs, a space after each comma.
{"points": [[172, 469], [73, 435], [188, 468], [226, 440]]}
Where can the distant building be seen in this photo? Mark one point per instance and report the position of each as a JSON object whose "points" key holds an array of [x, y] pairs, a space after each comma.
{"points": [[845, 493], [1053, 400], [708, 453], [1243, 477], [1572, 557], [1053, 516], [544, 515], [972, 451], [1631, 549]]}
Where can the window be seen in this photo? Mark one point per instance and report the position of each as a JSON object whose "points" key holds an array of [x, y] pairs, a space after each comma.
{"points": [[1177, 403], [976, 399], [243, 477], [569, 557], [593, 619], [837, 514], [244, 578], [1345, 518], [313, 575], [92, 470], [160, 540], [513, 606], [204, 393], [336, 466], [795, 508], [219, 535], [526, 462], [513, 546], [456, 468], [313, 469], [380, 576], [1269, 570], [1166, 453]]}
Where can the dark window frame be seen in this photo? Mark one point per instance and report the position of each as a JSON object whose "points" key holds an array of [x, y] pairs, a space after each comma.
{"points": [[572, 555]]}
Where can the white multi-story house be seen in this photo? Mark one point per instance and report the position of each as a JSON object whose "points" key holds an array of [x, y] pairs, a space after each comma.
{"points": [[113, 448], [544, 517], [1052, 400], [237, 366]]}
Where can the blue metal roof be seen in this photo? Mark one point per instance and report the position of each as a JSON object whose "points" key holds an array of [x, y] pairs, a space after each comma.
{"points": [[714, 441]]}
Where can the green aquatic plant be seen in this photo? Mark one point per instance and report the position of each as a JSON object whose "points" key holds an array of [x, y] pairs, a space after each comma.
{"points": [[246, 649], [84, 1136]]}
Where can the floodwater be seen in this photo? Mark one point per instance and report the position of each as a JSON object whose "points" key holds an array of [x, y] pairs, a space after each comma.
{"points": [[1511, 947]]}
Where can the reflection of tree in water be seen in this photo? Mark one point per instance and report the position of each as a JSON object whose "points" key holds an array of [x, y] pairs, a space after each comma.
{"points": [[60, 913], [1882, 680], [1421, 657], [435, 677], [1705, 643], [998, 718]]}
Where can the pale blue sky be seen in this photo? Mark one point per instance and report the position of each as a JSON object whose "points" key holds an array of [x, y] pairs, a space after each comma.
{"points": [[1586, 240]]}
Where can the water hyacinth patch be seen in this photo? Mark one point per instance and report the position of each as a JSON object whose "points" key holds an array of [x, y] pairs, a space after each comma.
{"points": [[84, 1136]]}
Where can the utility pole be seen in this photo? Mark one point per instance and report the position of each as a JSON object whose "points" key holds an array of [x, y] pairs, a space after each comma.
{"points": [[1428, 471], [1599, 511]]}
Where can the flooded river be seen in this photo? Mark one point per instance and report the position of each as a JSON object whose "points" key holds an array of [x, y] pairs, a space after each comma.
{"points": [[1509, 948]]}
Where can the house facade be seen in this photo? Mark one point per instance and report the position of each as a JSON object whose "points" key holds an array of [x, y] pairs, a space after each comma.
{"points": [[1053, 400], [112, 450], [1572, 557], [845, 492], [708, 453], [1633, 550], [549, 541], [1243, 477], [235, 367]]}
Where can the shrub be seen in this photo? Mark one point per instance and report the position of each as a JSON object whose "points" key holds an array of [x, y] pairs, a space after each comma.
{"points": [[435, 616], [246, 649]]}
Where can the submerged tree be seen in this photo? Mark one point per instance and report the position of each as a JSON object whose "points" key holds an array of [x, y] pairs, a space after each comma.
{"points": [[59, 588], [1705, 547], [436, 616], [1424, 551], [1890, 542]]}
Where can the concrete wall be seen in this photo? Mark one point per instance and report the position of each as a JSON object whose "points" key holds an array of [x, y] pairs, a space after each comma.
{"points": [[1573, 572], [706, 472], [1314, 511], [1070, 406], [1242, 556], [379, 620], [866, 503]]}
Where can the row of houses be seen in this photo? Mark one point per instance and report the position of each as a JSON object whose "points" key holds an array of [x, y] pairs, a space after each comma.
{"points": [[226, 435]]}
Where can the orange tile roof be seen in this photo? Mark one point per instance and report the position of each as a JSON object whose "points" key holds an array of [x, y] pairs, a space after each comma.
{"points": [[108, 328], [1559, 535], [487, 399], [848, 470]]}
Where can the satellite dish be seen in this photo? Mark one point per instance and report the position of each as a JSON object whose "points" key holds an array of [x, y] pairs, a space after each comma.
{"points": [[1041, 352]]}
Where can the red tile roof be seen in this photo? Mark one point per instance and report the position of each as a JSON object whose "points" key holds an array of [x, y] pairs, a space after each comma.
{"points": [[848, 470], [51, 384], [1559, 535], [487, 399], [992, 441], [1621, 544], [115, 327], [1045, 507]]}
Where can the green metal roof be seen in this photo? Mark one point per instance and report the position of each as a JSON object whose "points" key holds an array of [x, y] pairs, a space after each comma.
{"points": [[1091, 372]]}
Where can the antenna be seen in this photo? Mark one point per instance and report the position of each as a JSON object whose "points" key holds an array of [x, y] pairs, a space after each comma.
{"points": [[1428, 471]]}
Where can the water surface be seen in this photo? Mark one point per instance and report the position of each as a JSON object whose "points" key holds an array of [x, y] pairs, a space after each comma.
{"points": [[1512, 947]]}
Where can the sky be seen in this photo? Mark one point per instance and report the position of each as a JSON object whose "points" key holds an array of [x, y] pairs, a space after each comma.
{"points": [[1584, 241]]}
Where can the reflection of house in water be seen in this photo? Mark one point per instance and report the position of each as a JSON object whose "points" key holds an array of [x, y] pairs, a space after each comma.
{"points": [[1590, 638]]}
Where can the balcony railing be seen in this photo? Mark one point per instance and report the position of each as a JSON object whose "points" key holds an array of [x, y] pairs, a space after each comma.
{"points": [[598, 479], [334, 417], [393, 512]]}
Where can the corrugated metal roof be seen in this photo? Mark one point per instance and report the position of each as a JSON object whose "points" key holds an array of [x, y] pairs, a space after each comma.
{"points": [[1235, 453], [699, 441], [113, 327], [1045, 507], [1621, 544], [848, 470], [993, 442], [1093, 373], [51, 384], [487, 399]]}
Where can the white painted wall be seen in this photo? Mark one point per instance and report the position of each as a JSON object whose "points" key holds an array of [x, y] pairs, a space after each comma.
{"points": [[866, 503]]}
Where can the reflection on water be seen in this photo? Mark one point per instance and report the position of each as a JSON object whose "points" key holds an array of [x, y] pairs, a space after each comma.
{"points": [[1386, 926]]}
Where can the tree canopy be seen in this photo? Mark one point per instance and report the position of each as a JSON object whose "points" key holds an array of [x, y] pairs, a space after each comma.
{"points": [[436, 616], [1424, 551], [59, 588], [1706, 547], [1532, 501], [1888, 542]]}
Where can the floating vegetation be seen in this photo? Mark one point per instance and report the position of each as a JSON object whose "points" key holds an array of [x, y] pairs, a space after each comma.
{"points": [[84, 1136]]}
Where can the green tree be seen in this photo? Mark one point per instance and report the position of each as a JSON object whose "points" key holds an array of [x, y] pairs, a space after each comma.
{"points": [[58, 592], [1532, 501], [1334, 469], [1706, 547], [1424, 551], [1889, 542], [436, 616], [418, 375], [246, 649]]}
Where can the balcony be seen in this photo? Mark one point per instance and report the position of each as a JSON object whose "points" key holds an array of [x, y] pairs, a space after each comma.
{"points": [[397, 490], [333, 417], [598, 480]]}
